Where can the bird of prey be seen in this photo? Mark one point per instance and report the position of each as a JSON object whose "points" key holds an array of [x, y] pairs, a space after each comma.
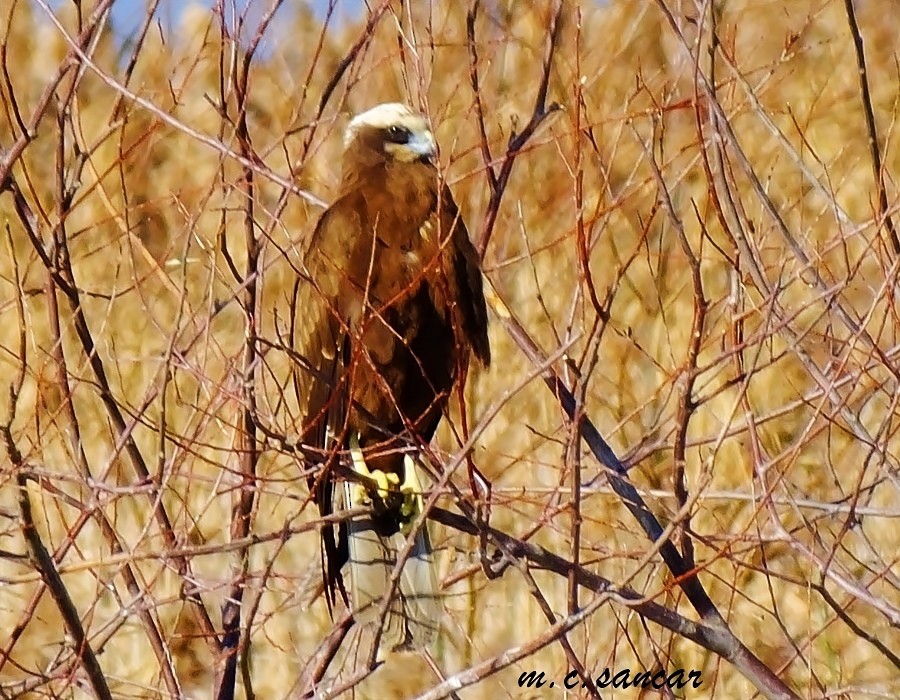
{"points": [[389, 309]]}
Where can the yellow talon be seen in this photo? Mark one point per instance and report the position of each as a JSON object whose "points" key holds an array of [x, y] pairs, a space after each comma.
{"points": [[388, 484], [385, 483], [360, 493]]}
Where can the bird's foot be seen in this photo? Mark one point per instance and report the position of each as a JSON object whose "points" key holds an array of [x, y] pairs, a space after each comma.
{"points": [[387, 486], [385, 483]]}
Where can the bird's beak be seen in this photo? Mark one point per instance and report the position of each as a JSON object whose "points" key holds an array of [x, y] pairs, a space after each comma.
{"points": [[423, 146]]}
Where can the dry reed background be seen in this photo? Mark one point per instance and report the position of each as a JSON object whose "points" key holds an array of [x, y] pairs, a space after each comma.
{"points": [[699, 228]]}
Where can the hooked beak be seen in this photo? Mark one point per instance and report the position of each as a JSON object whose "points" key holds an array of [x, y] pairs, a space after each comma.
{"points": [[423, 145]]}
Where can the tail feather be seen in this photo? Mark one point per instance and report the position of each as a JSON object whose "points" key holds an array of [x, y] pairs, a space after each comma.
{"points": [[413, 616]]}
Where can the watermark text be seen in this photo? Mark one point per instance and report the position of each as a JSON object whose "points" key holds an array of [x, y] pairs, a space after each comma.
{"points": [[678, 678]]}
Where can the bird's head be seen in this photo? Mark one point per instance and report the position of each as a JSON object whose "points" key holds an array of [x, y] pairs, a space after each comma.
{"points": [[388, 134]]}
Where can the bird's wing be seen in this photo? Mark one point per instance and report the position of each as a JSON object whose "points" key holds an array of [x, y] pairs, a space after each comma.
{"points": [[319, 338], [318, 334], [466, 273]]}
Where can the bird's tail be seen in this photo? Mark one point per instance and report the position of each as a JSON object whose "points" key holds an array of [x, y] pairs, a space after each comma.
{"points": [[376, 544]]}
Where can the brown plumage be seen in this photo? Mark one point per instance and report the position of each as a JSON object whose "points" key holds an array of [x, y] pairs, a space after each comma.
{"points": [[390, 308]]}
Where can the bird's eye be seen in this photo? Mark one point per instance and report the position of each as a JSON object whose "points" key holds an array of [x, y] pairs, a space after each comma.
{"points": [[397, 134]]}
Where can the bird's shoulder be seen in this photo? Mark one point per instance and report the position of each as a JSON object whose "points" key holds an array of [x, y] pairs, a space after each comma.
{"points": [[333, 241]]}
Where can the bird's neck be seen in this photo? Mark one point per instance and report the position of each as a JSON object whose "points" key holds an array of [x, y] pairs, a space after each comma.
{"points": [[404, 192]]}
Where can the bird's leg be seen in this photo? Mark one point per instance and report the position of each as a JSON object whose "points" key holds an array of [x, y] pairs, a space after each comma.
{"points": [[411, 489], [384, 483], [387, 485]]}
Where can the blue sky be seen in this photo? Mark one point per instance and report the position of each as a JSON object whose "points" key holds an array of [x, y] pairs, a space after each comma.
{"points": [[128, 14]]}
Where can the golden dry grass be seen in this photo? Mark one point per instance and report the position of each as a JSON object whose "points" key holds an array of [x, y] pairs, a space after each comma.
{"points": [[155, 203]]}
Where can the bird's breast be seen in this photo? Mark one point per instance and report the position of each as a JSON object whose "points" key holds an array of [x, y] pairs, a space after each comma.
{"points": [[393, 265], [407, 257]]}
